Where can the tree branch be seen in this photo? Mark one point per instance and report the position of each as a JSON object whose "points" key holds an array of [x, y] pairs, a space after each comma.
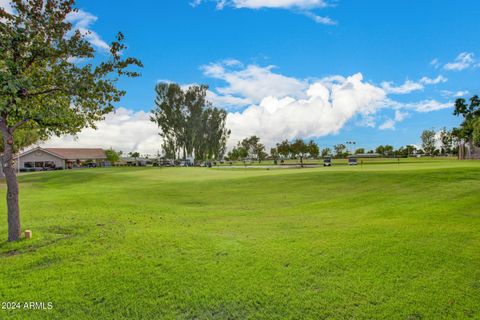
{"points": [[47, 91], [18, 124]]}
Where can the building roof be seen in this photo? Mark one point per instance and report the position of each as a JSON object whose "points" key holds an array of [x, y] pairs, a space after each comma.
{"points": [[78, 153], [366, 155], [132, 159], [71, 153]]}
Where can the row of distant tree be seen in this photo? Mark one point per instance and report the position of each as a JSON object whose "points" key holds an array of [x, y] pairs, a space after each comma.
{"points": [[253, 150]]}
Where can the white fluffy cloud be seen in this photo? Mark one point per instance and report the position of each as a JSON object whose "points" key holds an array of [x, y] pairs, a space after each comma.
{"points": [[422, 106], [271, 105], [124, 130], [400, 116], [390, 123], [253, 82], [435, 63], [82, 21], [410, 86], [455, 94], [228, 102], [319, 19], [463, 61], [284, 107], [304, 7], [328, 105], [437, 80], [258, 4], [428, 106]]}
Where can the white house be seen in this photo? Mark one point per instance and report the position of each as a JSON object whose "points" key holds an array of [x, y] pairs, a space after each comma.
{"points": [[38, 159]]}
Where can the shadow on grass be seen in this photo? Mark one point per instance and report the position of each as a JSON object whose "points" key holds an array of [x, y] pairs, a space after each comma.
{"points": [[49, 236]]}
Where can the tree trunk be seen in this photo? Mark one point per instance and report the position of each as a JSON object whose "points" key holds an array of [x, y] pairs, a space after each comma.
{"points": [[470, 149], [14, 227]]}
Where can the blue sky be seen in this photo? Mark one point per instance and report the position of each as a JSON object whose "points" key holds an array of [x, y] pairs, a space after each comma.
{"points": [[376, 72]]}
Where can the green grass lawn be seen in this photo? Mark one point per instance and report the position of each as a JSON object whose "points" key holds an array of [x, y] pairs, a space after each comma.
{"points": [[382, 241]]}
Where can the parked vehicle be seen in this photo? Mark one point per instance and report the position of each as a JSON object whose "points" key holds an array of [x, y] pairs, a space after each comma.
{"points": [[207, 164], [166, 163], [352, 161], [186, 163], [327, 161]]}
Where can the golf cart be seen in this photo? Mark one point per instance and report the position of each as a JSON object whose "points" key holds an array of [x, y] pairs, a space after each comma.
{"points": [[352, 161], [327, 161]]}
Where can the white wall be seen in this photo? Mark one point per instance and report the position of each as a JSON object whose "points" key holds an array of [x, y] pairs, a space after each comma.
{"points": [[40, 155]]}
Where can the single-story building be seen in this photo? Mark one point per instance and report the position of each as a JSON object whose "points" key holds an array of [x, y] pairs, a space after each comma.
{"points": [[367, 155], [133, 162], [39, 159]]}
